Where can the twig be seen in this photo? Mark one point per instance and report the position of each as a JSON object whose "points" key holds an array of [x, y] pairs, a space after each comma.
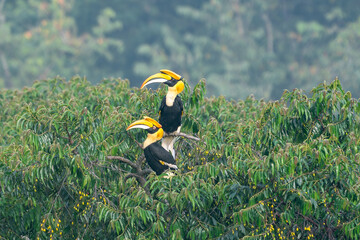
{"points": [[130, 175], [112, 167], [184, 135], [140, 160], [139, 144], [309, 219], [257, 153], [69, 135], [140, 173], [124, 160], [57, 195], [141, 180], [145, 172]]}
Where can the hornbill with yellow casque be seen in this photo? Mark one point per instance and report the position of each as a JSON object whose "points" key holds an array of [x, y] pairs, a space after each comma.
{"points": [[156, 156], [171, 107]]}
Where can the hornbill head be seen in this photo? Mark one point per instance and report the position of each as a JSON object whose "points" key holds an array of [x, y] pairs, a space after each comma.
{"points": [[154, 129], [170, 78]]}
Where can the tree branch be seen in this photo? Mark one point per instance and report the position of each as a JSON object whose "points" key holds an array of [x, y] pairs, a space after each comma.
{"points": [[141, 180], [140, 161], [124, 160], [308, 219], [130, 175], [145, 172], [184, 135], [140, 173]]}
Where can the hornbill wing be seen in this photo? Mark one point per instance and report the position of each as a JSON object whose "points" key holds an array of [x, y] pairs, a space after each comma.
{"points": [[181, 106], [162, 105], [159, 159], [164, 155]]}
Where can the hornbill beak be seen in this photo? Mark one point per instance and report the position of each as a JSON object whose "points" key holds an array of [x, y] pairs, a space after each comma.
{"points": [[165, 76], [146, 123], [171, 74], [154, 129], [156, 78]]}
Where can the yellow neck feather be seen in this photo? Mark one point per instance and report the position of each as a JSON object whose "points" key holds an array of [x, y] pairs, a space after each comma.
{"points": [[151, 138]]}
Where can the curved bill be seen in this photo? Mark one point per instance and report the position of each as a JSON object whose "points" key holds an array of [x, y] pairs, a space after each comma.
{"points": [[145, 123], [171, 73], [156, 78], [153, 121]]}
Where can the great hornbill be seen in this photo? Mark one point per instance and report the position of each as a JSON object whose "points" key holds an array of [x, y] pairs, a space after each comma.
{"points": [[171, 108], [156, 156]]}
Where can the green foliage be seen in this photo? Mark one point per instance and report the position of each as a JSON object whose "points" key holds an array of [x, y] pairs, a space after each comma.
{"points": [[286, 169]]}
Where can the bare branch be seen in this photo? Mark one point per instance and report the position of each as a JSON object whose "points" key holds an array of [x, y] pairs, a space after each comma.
{"points": [[141, 160], [308, 219], [130, 175], [140, 173], [141, 180], [185, 136], [124, 160], [145, 172]]}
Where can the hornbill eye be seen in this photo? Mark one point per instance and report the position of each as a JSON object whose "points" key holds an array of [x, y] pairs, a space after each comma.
{"points": [[171, 82]]}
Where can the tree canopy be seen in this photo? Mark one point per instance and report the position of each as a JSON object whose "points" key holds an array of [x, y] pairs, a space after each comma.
{"points": [[284, 169]]}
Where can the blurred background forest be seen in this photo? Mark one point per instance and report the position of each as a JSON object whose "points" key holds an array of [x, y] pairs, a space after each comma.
{"points": [[241, 47]]}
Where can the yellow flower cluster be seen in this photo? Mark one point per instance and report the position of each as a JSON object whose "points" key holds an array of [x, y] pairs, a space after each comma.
{"points": [[49, 229], [83, 202], [270, 230]]}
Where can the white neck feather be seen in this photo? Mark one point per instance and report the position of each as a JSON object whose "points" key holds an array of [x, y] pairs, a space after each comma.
{"points": [[170, 96]]}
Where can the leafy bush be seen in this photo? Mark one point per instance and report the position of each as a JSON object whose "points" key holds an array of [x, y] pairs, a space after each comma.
{"points": [[287, 169]]}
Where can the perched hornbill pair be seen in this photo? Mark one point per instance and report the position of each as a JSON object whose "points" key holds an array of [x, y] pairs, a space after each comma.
{"points": [[161, 158]]}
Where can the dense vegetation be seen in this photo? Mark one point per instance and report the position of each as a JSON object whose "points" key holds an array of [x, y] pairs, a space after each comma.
{"points": [[286, 169], [240, 46]]}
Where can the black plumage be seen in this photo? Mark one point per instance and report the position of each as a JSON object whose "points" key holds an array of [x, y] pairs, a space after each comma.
{"points": [[158, 158], [170, 117]]}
